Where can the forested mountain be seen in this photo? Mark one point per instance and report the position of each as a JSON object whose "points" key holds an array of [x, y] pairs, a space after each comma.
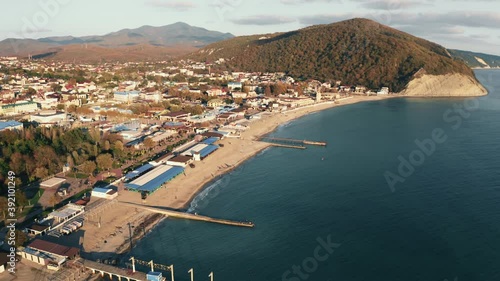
{"points": [[357, 51], [477, 60]]}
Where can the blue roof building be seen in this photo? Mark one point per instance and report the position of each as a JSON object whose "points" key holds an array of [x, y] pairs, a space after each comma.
{"points": [[154, 179], [10, 125], [138, 172]]}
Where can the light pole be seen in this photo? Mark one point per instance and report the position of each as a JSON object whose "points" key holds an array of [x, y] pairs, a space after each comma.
{"points": [[130, 234], [172, 272], [192, 274]]}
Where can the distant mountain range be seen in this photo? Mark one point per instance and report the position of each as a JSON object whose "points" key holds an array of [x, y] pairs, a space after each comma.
{"points": [[356, 51], [171, 39], [477, 60]]}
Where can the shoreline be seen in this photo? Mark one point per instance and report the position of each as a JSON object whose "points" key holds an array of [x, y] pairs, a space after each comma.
{"points": [[183, 190]]}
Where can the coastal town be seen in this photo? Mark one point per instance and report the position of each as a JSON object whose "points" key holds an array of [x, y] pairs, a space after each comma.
{"points": [[83, 144]]}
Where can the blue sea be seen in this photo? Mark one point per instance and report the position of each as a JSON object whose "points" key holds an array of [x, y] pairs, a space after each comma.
{"points": [[407, 189]]}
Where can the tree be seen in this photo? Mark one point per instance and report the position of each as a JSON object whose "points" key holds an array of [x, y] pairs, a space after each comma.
{"points": [[31, 92], [41, 172], [104, 161], [3, 205], [238, 101], [21, 200], [267, 91], [20, 238], [70, 161], [149, 143], [88, 167], [55, 87]]}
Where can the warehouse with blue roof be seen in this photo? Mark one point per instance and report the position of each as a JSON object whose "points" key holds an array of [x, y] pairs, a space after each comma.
{"points": [[11, 125], [153, 180], [138, 172]]}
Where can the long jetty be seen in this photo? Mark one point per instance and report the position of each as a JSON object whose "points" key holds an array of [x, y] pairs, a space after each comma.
{"points": [[291, 143], [188, 216], [113, 271]]}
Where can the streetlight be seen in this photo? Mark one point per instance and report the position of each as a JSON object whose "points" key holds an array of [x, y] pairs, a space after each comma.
{"points": [[192, 274], [172, 272], [130, 234]]}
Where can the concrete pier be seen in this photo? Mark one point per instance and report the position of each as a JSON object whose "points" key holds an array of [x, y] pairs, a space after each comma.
{"points": [[113, 271], [287, 146], [284, 142], [181, 215]]}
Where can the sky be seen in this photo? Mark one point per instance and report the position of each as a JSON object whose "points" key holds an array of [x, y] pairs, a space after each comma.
{"points": [[456, 24]]}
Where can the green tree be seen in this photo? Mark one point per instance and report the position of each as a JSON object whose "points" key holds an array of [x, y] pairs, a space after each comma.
{"points": [[21, 200]]}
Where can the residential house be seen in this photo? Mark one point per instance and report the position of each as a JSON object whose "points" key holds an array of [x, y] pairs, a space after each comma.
{"points": [[215, 103]]}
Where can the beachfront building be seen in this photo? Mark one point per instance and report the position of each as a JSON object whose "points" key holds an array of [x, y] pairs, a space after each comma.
{"points": [[38, 229], [11, 125], [180, 161], [65, 213], [154, 179], [104, 193], [383, 91], [48, 253], [200, 151], [138, 172]]}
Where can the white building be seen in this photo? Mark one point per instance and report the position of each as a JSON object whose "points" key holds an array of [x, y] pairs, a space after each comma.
{"points": [[105, 193], [126, 97], [49, 118], [383, 91]]}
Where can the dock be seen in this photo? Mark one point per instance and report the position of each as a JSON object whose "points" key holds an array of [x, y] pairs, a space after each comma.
{"points": [[288, 146], [291, 143], [113, 271], [195, 217]]}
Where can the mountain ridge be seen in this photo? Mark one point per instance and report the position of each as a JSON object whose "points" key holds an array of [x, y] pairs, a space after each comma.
{"points": [[477, 60], [356, 51], [176, 34]]}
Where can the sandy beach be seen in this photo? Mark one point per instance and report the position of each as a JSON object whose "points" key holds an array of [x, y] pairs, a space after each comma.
{"points": [[112, 237]]}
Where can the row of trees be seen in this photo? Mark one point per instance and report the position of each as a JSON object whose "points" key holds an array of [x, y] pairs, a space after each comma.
{"points": [[36, 153]]}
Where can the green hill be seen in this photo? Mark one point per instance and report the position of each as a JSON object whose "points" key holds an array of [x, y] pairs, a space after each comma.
{"points": [[357, 51], [476, 60]]}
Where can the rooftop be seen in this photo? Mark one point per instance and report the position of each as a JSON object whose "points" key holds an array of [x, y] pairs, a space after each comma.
{"points": [[53, 248], [52, 182], [9, 124], [154, 179]]}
